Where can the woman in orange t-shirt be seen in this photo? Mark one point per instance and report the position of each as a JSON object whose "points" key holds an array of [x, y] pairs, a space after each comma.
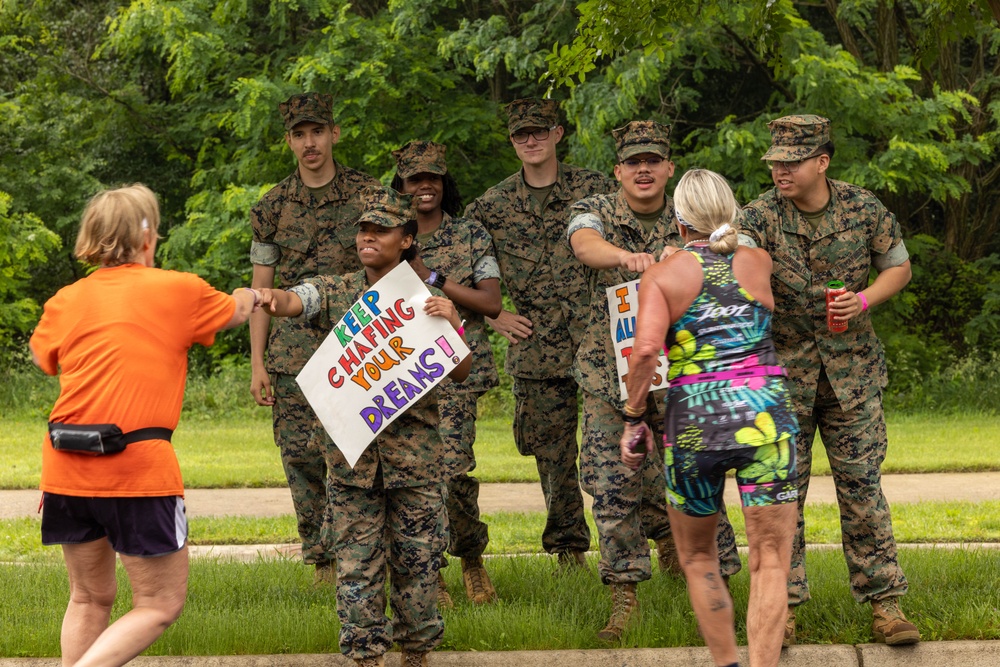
{"points": [[119, 339]]}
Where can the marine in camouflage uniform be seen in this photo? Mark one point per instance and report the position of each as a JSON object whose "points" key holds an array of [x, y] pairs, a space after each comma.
{"points": [[548, 287], [388, 511], [629, 507], [457, 252], [817, 230], [300, 232]]}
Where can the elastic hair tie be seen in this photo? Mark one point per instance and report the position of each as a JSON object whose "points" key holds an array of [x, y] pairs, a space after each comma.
{"points": [[145, 224], [719, 233]]}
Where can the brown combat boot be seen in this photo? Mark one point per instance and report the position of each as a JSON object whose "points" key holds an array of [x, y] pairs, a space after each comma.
{"points": [[478, 586], [889, 625], [624, 610], [413, 659], [666, 556], [370, 662], [443, 596], [570, 561], [325, 574], [789, 638]]}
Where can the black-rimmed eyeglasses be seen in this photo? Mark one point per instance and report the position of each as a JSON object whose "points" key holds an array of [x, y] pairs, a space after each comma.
{"points": [[651, 161], [521, 136]]}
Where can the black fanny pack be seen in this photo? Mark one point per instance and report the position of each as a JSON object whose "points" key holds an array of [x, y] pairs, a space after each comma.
{"points": [[100, 439]]}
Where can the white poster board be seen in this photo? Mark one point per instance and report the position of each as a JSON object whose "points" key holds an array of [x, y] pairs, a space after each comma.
{"points": [[623, 305], [381, 357]]}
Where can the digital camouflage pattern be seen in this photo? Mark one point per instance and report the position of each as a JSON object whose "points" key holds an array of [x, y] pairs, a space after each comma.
{"points": [[402, 528], [602, 471], [531, 113], [421, 157], [836, 379], [307, 107], [642, 136], [856, 443], [386, 207], [856, 231], [461, 249], [546, 415], [630, 506], [409, 452], [394, 496], [594, 366], [304, 237], [547, 285], [796, 138], [543, 278], [302, 457], [468, 535]]}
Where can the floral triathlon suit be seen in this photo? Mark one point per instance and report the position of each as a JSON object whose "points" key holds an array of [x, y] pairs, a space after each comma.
{"points": [[727, 406]]}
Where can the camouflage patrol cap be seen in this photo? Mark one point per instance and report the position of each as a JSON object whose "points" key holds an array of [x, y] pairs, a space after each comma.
{"points": [[531, 112], [384, 206], [797, 137], [307, 107], [420, 157], [642, 136]]}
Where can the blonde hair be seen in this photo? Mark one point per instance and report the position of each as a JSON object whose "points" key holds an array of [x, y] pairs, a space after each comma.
{"points": [[704, 200], [114, 226]]}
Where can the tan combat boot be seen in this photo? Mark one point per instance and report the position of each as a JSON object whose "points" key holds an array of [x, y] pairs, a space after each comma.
{"points": [[478, 586], [890, 626], [570, 561], [666, 556], [443, 596], [624, 611], [326, 573], [370, 662], [413, 659], [789, 638]]}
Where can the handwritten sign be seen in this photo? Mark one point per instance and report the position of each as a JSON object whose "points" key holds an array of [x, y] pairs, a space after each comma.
{"points": [[623, 304], [383, 356]]}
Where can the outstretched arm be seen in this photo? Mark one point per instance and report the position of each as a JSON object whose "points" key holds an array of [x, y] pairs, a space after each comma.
{"points": [[591, 249], [281, 303]]}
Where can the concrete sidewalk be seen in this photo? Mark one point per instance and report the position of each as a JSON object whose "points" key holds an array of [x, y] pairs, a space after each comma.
{"points": [[909, 488], [931, 654]]}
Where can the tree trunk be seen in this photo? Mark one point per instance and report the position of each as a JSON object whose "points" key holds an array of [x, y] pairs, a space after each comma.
{"points": [[846, 34]]}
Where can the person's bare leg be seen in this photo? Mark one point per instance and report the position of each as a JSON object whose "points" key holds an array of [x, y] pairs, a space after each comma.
{"points": [[92, 589], [769, 533], [159, 588], [699, 556]]}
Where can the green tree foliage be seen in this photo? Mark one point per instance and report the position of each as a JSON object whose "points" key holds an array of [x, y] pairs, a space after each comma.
{"points": [[25, 244], [182, 95]]}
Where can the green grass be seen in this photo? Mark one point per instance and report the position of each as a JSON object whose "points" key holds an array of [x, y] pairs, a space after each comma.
{"points": [[268, 607], [518, 533], [239, 451]]}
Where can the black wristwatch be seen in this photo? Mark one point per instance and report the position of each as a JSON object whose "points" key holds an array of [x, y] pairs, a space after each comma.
{"points": [[436, 280]]}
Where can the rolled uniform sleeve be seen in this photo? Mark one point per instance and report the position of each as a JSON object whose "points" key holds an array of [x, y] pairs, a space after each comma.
{"points": [[887, 247], [263, 250], [586, 220], [485, 268], [309, 296]]}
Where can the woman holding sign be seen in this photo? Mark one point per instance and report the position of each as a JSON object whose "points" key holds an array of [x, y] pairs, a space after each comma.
{"points": [[461, 253], [390, 507], [727, 408]]}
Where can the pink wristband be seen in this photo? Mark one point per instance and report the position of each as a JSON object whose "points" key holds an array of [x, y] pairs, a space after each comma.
{"points": [[461, 331], [864, 302]]}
